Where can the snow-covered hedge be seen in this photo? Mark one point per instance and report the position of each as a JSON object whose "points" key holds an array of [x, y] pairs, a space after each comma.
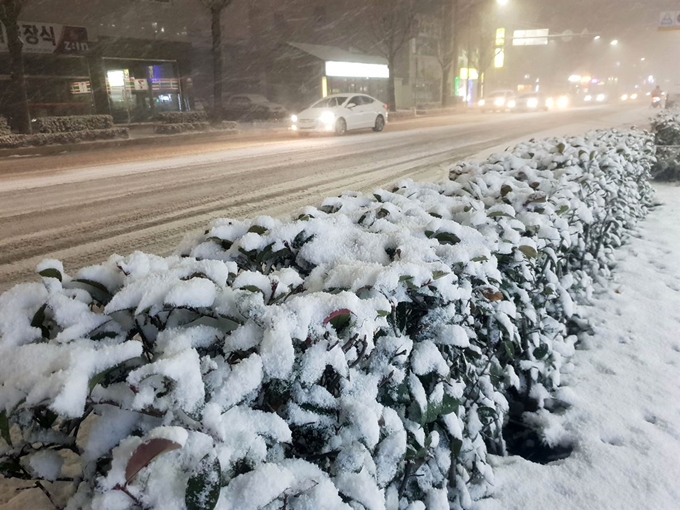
{"points": [[365, 355], [174, 129], [4, 127], [40, 139], [73, 123], [666, 128], [195, 117]]}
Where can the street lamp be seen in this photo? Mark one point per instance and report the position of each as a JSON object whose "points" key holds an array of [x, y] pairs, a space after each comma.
{"points": [[615, 42], [502, 2]]}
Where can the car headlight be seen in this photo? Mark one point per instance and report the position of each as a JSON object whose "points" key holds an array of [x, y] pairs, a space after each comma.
{"points": [[482, 102], [294, 118], [550, 102], [327, 117], [499, 102], [512, 104], [563, 102], [624, 97], [587, 99], [601, 97], [634, 97], [532, 103]]}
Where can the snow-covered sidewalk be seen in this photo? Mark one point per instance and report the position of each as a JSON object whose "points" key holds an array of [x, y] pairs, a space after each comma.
{"points": [[625, 385]]}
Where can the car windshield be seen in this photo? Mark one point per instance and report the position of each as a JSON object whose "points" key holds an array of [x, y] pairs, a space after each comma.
{"points": [[331, 102]]}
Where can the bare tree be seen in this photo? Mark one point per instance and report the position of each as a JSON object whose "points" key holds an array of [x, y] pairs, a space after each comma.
{"points": [[447, 45], [216, 7], [19, 118], [392, 23]]}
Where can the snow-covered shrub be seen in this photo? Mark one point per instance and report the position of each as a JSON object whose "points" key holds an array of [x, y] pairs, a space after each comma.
{"points": [[4, 127], [195, 117], [72, 123], [566, 205], [666, 128], [173, 129], [362, 356], [41, 139]]}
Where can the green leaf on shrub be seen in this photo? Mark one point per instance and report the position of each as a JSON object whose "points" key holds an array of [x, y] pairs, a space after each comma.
{"points": [[203, 488], [561, 148], [562, 210], [383, 313], [50, 272], [258, 229], [456, 446], [252, 288], [447, 238], [97, 290], [509, 349], [541, 352], [98, 378], [39, 317], [505, 189], [498, 214], [437, 275], [405, 278], [145, 453], [434, 411], [480, 259], [339, 319], [529, 251], [4, 428], [486, 414]]}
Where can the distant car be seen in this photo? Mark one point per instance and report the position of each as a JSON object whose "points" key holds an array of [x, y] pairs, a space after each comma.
{"points": [[253, 107], [532, 102], [499, 100], [340, 113], [596, 97], [630, 97]]}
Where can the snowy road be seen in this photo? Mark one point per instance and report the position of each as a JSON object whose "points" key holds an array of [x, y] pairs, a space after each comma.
{"points": [[81, 207]]}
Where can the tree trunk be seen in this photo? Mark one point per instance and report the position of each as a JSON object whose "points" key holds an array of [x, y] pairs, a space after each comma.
{"points": [[455, 46], [216, 27], [19, 118], [446, 58], [391, 89]]}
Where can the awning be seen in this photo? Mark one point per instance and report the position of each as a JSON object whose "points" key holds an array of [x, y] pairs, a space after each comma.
{"points": [[346, 64]]}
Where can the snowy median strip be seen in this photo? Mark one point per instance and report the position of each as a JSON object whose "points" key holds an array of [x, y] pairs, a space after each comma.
{"points": [[367, 354]]}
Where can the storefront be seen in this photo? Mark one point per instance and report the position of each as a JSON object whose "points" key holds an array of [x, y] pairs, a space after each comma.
{"points": [[302, 73], [69, 74]]}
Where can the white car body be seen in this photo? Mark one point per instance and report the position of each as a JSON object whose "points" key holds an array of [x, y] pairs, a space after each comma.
{"points": [[330, 114], [498, 100]]}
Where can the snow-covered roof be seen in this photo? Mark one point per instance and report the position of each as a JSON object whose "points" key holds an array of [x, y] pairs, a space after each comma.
{"points": [[333, 54]]}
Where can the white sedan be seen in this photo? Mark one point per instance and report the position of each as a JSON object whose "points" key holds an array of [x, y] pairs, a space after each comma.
{"points": [[340, 113]]}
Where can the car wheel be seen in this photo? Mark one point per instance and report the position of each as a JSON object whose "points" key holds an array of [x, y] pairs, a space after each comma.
{"points": [[379, 124], [340, 127]]}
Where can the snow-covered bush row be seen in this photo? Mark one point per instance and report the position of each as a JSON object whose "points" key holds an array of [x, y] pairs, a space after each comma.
{"points": [[4, 127], [40, 139], [195, 117], [72, 123], [173, 129], [363, 356], [666, 128]]}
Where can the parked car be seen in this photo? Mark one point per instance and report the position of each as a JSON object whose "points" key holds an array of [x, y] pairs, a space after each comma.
{"points": [[340, 113], [247, 107], [499, 100]]}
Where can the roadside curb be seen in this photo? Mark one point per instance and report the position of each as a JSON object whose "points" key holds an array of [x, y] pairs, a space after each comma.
{"points": [[158, 140]]}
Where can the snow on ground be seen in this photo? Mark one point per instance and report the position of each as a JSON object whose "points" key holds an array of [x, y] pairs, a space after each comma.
{"points": [[625, 419]]}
